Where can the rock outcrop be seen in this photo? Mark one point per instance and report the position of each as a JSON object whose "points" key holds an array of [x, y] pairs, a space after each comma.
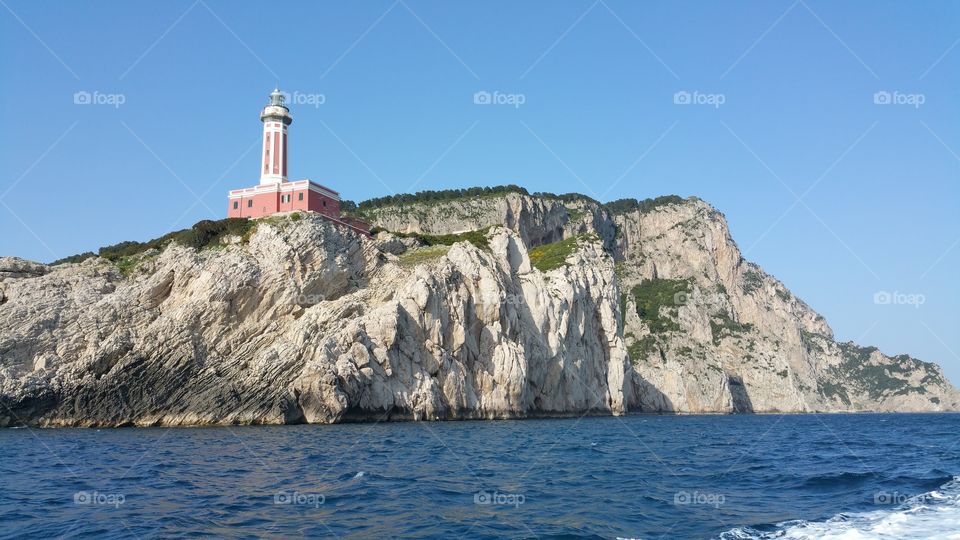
{"points": [[653, 310]]}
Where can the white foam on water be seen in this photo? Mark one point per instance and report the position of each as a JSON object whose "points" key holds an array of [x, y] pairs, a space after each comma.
{"points": [[359, 475], [934, 515]]}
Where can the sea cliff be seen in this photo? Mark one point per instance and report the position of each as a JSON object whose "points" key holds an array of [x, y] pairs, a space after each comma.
{"points": [[487, 306]]}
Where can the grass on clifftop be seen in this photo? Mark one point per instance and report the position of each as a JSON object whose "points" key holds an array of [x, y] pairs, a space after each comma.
{"points": [[422, 255], [429, 197], [625, 206], [432, 197], [477, 238], [203, 234], [550, 256]]}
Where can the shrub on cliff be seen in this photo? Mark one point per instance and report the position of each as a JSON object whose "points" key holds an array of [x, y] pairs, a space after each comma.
{"points": [[434, 196], [624, 206], [203, 234]]}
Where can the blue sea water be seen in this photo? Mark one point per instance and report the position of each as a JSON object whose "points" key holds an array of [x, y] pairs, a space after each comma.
{"points": [[794, 476]]}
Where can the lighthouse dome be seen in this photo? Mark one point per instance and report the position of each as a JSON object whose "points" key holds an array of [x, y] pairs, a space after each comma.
{"points": [[276, 109]]}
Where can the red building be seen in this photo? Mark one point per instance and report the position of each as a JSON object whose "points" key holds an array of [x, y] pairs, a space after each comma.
{"points": [[275, 193]]}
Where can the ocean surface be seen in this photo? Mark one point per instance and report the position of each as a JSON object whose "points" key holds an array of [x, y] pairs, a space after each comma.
{"points": [[730, 477]]}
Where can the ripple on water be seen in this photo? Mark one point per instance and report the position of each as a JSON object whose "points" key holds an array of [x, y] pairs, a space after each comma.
{"points": [[592, 478]]}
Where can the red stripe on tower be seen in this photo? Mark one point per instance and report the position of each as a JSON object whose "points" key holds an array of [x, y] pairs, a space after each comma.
{"points": [[283, 172]]}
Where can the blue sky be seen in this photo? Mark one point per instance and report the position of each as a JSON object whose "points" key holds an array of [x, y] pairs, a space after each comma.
{"points": [[838, 196]]}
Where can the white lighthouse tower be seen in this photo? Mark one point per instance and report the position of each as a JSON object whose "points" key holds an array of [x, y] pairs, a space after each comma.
{"points": [[275, 194], [275, 117]]}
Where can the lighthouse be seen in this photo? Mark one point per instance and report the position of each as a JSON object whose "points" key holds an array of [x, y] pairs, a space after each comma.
{"points": [[276, 118], [276, 194]]}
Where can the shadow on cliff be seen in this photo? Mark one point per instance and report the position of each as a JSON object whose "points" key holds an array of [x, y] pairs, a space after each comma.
{"points": [[739, 397], [649, 398]]}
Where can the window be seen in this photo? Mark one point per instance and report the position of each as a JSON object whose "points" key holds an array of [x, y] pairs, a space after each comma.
{"points": [[324, 203], [236, 205], [300, 197], [250, 203]]}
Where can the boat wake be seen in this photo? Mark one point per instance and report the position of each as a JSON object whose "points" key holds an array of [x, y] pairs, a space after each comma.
{"points": [[931, 515]]}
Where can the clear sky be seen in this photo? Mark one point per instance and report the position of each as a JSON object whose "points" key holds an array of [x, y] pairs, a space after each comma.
{"points": [[837, 195]]}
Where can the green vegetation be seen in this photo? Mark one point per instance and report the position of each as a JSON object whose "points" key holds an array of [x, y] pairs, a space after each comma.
{"points": [[347, 207], [723, 325], [625, 206], [784, 295], [431, 196], [477, 238], [641, 348], [876, 380], [831, 390], [621, 270], [810, 340], [78, 258], [203, 234], [554, 255], [752, 281], [418, 256], [566, 197], [657, 301], [127, 265]]}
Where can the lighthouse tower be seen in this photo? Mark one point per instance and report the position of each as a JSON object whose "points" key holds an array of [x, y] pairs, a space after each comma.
{"points": [[275, 194], [275, 117]]}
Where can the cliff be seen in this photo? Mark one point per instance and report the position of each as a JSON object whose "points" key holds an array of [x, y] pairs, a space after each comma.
{"points": [[481, 307]]}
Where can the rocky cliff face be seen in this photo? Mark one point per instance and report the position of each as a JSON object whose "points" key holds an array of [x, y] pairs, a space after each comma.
{"points": [[705, 329], [309, 322], [302, 321]]}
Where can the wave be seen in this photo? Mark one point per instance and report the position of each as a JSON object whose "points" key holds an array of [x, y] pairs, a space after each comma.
{"points": [[933, 515]]}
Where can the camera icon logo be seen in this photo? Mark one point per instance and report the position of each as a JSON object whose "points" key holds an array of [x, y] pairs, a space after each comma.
{"points": [[282, 497], [482, 497], [681, 298], [682, 497], [882, 98], [682, 98], [82, 497], [482, 98], [882, 298], [82, 98]]}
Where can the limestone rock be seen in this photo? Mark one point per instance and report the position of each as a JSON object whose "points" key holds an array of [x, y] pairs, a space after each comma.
{"points": [[305, 321]]}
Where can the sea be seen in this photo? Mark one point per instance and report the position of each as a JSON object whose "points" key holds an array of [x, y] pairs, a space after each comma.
{"points": [[888, 476]]}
